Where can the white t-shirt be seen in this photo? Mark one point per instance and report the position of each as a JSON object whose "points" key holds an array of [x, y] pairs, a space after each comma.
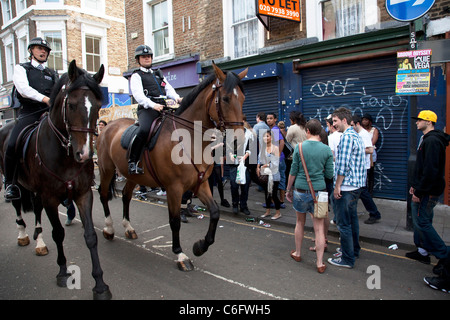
{"points": [[367, 140], [333, 142]]}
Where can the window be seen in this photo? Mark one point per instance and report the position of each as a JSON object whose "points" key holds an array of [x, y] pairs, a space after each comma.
{"points": [[160, 29], [93, 59], [341, 18], [9, 55], [54, 39], [23, 49], [243, 34], [6, 10], [20, 6]]}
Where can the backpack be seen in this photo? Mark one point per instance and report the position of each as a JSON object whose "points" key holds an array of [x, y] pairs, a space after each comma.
{"points": [[15, 103]]}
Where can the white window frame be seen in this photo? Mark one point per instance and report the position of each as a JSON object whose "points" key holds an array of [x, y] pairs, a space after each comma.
{"points": [[5, 16], [18, 10], [10, 59], [314, 17], [98, 30], [21, 31], [148, 23], [228, 32], [48, 24]]}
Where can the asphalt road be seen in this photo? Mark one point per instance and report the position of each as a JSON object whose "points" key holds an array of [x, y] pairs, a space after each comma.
{"points": [[247, 262]]}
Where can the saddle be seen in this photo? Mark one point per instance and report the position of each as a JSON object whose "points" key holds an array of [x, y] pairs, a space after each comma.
{"points": [[23, 140], [131, 131]]}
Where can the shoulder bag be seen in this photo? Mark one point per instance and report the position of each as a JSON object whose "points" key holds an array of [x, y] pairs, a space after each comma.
{"points": [[321, 201]]}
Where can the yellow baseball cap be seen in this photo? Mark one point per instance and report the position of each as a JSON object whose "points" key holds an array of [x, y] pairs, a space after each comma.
{"points": [[427, 115]]}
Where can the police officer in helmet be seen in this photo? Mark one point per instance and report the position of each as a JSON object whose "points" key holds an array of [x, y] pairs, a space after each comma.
{"points": [[33, 82], [150, 89]]}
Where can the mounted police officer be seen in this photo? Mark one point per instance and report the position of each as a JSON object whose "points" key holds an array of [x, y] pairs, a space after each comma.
{"points": [[33, 82], [150, 89]]}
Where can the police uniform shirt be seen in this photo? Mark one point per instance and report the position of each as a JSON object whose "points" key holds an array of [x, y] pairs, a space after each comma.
{"points": [[137, 90], [20, 80]]}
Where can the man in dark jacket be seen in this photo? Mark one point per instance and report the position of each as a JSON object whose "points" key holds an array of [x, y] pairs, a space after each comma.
{"points": [[427, 185]]}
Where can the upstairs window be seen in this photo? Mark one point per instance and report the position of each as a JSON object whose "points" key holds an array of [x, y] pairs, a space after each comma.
{"points": [[93, 54], [160, 29], [245, 28], [55, 60], [6, 10]]}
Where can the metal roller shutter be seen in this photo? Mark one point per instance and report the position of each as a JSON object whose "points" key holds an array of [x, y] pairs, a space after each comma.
{"points": [[366, 87], [260, 95]]}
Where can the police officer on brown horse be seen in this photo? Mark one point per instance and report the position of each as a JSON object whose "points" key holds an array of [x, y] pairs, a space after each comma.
{"points": [[33, 82], [150, 89]]}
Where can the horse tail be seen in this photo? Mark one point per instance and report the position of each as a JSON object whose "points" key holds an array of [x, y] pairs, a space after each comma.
{"points": [[26, 200], [111, 188]]}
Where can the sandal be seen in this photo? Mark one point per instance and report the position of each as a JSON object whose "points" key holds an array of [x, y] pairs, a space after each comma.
{"points": [[296, 258]]}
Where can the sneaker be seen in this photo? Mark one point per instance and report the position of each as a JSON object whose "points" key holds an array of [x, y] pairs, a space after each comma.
{"points": [[371, 220], [245, 211], [271, 205], [282, 205], [338, 253], [415, 255], [161, 193], [338, 262], [235, 210], [438, 283]]}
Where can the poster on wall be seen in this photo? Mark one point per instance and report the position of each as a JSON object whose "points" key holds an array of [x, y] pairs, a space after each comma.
{"points": [[413, 73]]}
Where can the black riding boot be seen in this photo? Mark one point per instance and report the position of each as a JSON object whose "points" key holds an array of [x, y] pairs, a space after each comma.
{"points": [[135, 155], [12, 192]]}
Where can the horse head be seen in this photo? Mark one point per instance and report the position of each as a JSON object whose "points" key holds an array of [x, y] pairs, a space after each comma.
{"points": [[229, 98], [75, 108]]}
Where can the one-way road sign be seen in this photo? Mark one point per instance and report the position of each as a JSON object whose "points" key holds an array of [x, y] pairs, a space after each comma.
{"points": [[408, 10]]}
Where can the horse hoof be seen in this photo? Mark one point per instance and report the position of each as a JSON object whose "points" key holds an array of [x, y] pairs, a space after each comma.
{"points": [[185, 265], [61, 280], [22, 242], [108, 236], [199, 248], [131, 234], [105, 295], [42, 251]]}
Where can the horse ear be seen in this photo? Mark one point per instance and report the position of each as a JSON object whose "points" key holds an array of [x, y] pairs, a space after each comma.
{"points": [[219, 73], [73, 71], [243, 73], [99, 75]]}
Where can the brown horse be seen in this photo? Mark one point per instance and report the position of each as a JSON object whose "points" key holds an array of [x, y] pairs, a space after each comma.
{"points": [[215, 103], [57, 164]]}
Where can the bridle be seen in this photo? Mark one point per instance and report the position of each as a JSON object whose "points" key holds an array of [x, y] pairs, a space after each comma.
{"points": [[66, 142]]}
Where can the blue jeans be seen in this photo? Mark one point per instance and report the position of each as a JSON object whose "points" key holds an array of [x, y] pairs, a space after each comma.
{"points": [[425, 236], [282, 170], [369, 204], [348, 224]]}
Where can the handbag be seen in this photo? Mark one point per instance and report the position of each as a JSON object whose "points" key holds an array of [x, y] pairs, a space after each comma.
{"points": [[321, 201]]}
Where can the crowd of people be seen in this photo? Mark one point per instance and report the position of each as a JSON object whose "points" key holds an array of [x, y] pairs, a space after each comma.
{"points": [[340, 162]]}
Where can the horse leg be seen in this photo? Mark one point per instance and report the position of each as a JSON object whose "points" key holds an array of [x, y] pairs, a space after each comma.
{"points": [[41, 247], [127, 194], [23, 239], [84, 204], [106, 190], [205, 196], [174, 204], [58, 235]]}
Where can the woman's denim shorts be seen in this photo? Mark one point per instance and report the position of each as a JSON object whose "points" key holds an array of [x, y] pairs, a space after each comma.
{"points": [[303, 202]]}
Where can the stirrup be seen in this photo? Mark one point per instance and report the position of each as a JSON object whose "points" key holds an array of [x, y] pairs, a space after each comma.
{"points": [[12, 192], [133, 168]]}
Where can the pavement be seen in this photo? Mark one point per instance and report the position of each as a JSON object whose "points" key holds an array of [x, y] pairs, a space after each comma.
{"points": [[391, 228]]}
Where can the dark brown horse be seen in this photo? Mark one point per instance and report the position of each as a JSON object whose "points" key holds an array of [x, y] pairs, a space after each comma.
{"points": [[214, 103], [57, 164]]}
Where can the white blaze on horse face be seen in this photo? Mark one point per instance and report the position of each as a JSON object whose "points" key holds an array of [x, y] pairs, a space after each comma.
{"points": [[236, 93], [86, 147]]}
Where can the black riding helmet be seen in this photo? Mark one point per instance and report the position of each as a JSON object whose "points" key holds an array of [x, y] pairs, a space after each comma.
{"points": [[143, 50], [39, 42]]}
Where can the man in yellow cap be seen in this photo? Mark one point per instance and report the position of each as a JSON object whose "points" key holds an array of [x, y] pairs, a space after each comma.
{"points": [[427, 185]]}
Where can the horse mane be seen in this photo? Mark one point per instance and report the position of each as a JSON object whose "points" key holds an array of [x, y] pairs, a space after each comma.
{"points": [[83, 79], [232, 80]]}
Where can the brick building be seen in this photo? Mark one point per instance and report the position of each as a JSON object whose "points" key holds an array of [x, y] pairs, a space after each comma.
{"points": [[90, 31]]}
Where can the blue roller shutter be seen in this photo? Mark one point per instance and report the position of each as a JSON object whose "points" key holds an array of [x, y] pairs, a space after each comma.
{"points": [[366, 87], [260, 95]]}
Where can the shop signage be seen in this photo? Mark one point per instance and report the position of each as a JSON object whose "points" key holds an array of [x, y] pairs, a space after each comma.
{"points": [[284, 9], [413, 73]]}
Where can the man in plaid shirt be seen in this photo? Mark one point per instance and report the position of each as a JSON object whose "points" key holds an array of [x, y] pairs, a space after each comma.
{"points": [[350, 177]]}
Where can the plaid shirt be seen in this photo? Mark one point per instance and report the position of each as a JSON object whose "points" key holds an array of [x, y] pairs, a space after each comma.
{"points": [[350, 161]]}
